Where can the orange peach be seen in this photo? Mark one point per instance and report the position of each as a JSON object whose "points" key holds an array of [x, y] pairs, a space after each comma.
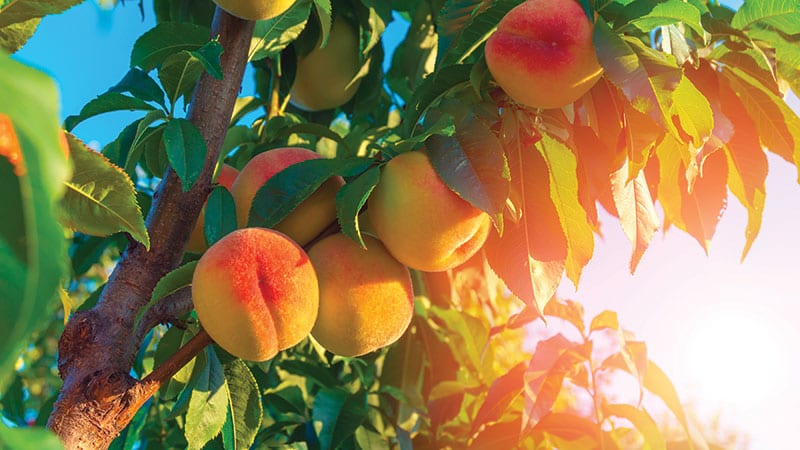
{"points": [[423, 223], [255, 9], [365, 296], [542, 53], [311, 217], [255, 292], [322, 79], [197, 240]]}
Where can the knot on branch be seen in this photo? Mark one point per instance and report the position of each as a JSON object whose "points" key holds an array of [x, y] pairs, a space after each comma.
{"points": [[78, 332], [107, 385]]}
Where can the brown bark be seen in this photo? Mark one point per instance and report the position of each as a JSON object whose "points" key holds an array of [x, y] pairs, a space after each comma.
{"points": [[98, 347]]}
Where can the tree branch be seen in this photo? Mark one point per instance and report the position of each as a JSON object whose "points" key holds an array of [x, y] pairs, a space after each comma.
{"points": [[165, 310]]}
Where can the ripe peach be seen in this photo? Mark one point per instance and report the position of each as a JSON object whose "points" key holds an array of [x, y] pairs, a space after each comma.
{"points": [[323, 75], [255, 292], [423, 223], [9, 145], [542, 53], [255, 9], [366, 297], [310, 217], [197, 240]]}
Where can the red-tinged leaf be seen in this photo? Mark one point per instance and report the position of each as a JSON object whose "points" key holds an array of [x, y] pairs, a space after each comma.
{"points": [[596, 162], [444, 402], [696, 212], [568, 310], [552, 361], [640, 135], [693, 111], [657, 382], [631, 358], [523, 318], [637, 214], [500, 435], [562, 167], [530, 257], [653, 439], [502, 392], [568, 426], [605, 320], [602, 108], [747, 163]]}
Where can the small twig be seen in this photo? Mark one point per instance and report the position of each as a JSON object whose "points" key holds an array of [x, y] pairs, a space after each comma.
{"points": [[274, 97], [165, 310]]}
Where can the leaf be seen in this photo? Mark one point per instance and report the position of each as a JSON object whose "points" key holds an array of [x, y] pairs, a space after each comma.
{"points": [[693, 111], [271, 36], [371, 440], [567, 310], [605, 320], [501, 394], [169, 284], [351, 198], [281, 194], [100, 198], [139, 84], [431, 88], [653, 439], [562, 168], [165, 39], [647, 15], [39, 438], [208, 404], [186, 150], [657, 382], [209, 56], [500, 435], [104, 103], [245, 403], [636, 211], [339, 413], [220, 215], [530, 256], [570, 427], [482, 24], [13, 37], [178, 74], [415, 56], [16, 11], [783, 15]]}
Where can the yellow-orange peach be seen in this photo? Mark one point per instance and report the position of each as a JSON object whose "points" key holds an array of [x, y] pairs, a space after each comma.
{"points": [[197, 240], [310, 217], [365, 296], [255, 292], [542, 53], [423, 223], [255, 9], [322, 79], [9, 145]]}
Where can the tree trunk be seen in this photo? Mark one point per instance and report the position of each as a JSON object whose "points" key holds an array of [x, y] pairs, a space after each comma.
{"points": [[98, 347]]}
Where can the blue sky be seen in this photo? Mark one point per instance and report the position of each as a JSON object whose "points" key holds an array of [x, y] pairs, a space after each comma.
{"points": [[688, 307]]}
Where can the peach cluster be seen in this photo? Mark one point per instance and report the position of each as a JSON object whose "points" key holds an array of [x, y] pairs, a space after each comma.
{"points": [[257, 291]]}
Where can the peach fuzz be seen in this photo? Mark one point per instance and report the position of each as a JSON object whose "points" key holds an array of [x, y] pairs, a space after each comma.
{"points": [[255, 293], [197, 240], [322, 79], [423, 223], [366, 299], [542, 53], [255, 9], [310, 217]]}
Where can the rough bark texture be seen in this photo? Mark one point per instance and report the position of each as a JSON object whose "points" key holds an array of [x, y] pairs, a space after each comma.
{"points": [[98, 346]]}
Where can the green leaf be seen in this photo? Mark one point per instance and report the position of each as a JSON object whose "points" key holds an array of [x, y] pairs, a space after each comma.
{"points": [[178, 74], [13, 37], [165, 39], [100, 199], [32, 247], [38, 438], [477, 31], [271, 36], [653, 439], [170, 283], [16, 11], [104, 103], [209, 55], [349, 201], [337, 413], [431, 88], [783, 15], [367, 439], [220, 215], [143, 137], [281, 194], [245, 403], [208, 405], [139, 84], [693, 111], [186, 150], [415, 56], [647, 15]]}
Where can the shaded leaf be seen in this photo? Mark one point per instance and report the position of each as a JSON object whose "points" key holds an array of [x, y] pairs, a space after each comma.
{"points": [[502, 392], [431, 88], [351, 198], [165, 39], [186, 150], [339, 413], [219, 215], [273, 35], [13, 37], [104, 103], [208, 404], [245, 403], [139, 84]]}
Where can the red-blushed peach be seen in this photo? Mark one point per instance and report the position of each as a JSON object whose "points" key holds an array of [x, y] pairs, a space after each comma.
{"points": [[255, 9], [423, 223], [365, 296], [542, 53], [197, 240], [322, 79], [255, 292], [9, 145], [310, 217]]}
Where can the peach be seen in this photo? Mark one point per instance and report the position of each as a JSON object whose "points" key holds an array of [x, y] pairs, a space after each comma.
{"points": [[311, 217], [322, 79], [255, 9], [365, 296], [542, 53], [197, 240], [9, 145], [255, 292], [423, 223]]}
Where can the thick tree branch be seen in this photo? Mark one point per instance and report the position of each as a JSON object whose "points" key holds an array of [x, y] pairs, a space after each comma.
{"points": [[165, 310], [98, 347]]}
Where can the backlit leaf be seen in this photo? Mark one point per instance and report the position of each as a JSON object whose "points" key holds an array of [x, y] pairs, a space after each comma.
{"points": [[653, 439], [569, 427], [647, 15], [605, 320], [781, 14], [657, 382], [568, 310], [636, 211], [16, 11], [503, 391], [13, 37], [693, 111]]}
